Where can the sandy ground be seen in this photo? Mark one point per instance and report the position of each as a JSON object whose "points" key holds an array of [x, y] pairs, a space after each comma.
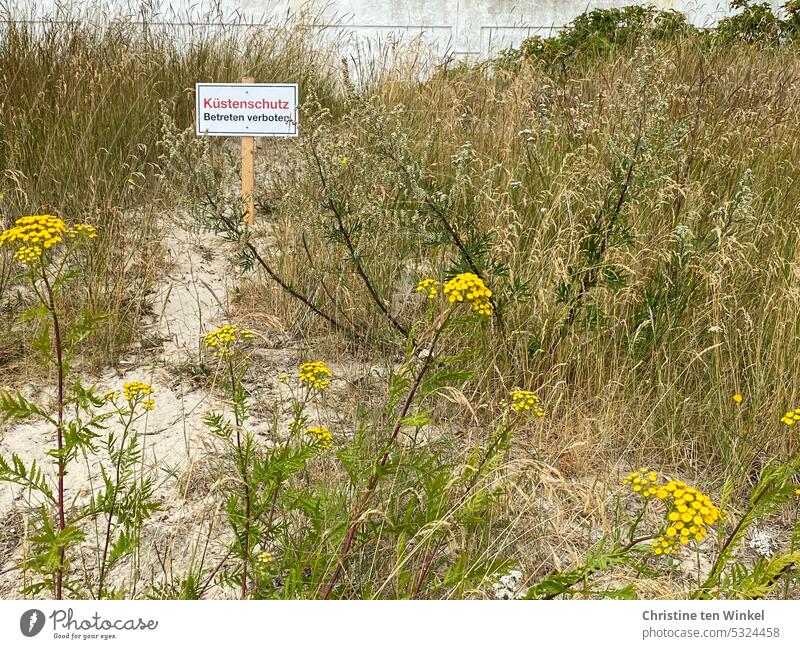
{"points": [[191, 299]]}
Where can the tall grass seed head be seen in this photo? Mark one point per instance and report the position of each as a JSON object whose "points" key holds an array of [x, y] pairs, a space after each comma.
{"points": [[315, 375], [468, 287]]}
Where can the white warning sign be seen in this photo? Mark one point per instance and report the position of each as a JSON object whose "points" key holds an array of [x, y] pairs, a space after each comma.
{"points": [[246, 109]]}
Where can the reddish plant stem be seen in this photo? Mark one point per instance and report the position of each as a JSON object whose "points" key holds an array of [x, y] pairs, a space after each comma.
{"points": [[426, 566], [347, 546], [51, 306]]}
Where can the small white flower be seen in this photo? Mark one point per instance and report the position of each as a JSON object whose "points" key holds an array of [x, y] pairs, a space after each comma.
{"points": [[503, 593], [763, 543], [508, 586], [424, 354], [716, 329]]}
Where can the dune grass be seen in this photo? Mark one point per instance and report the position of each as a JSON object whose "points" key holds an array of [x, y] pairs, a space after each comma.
{"points": [[81, 114]]}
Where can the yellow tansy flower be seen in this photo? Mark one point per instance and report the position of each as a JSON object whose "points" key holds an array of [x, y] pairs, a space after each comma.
{"points": [[315, 374], [468, 287], [324, 437], [37, 233], [525, 401], [226, 340], [428, 286], [643, 482], [791, 417], [137, 393]]}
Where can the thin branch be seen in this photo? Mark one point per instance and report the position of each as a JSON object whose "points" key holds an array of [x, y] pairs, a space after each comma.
{"points": [[233, 228], [331, 206]]}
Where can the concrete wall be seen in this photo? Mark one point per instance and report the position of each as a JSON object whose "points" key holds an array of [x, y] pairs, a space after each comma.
{"points": [[465, 28]]}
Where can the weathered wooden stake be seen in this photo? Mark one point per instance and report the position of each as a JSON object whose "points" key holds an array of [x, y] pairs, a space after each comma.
{"points": [[248, 170]]}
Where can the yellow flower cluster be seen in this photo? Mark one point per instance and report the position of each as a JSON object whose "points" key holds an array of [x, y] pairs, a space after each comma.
{"points": [[428, 286], [28, 254], [469, 287], [324, 437], [791, 417], [225, 340], [525, 401], [82, 229], [644, 482], [37, 233], [315, 375], [689, 515], [139, 393], [265, 558]]}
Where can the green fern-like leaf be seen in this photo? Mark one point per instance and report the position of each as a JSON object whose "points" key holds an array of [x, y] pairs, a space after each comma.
{"points": [[765, 576], [18, 408], [30, 477]]}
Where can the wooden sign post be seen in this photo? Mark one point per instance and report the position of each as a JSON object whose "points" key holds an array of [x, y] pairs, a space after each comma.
{"points": [[249, 171], [247, 110]]}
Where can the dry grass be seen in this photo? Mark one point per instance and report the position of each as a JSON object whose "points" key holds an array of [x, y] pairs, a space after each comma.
{"points": [[705, 244], [636, 217], [81, 103]]}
